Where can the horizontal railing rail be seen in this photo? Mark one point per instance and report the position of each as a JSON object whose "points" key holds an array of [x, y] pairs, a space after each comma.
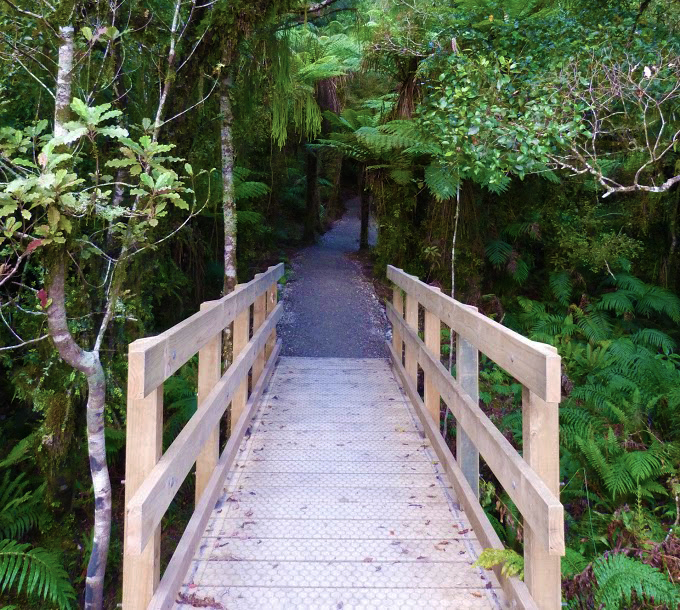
{"points": [[531, 480], [152, 479]]}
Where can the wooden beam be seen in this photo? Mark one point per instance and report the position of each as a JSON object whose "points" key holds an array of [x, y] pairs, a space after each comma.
{"points": [[166, 593], [514, 588], [398, 304], [143, 448], [467, 374], [259, 315], [535, 365], [272, 298], [164, 354], [241, 331], [412, 321], [540, 441], [539, 506], [209, 373], [433, 340], [148, 505]]}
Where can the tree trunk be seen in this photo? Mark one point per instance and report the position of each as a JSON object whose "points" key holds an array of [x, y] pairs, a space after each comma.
{"points": [[365, 208], [89, 364], [312, 208], [62, 98], [228, 198]]}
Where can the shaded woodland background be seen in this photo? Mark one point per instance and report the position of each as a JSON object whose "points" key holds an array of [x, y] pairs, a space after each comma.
{"points": [[522, 155]]}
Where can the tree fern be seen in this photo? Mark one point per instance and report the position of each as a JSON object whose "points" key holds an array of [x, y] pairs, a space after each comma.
{"points": [[34, 572], [441, 182], [619, 577]]}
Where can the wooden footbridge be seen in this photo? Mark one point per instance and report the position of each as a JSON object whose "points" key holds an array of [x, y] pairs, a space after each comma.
{"points": [[335, 489]]}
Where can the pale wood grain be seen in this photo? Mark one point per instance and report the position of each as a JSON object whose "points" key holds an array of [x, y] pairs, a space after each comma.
{"points": [[144, 443], [514, 588], [164, 354], [540, 441], [164, 597], [209, 373], [533, 364], [433, 342], [148, 505], [538, 504]]}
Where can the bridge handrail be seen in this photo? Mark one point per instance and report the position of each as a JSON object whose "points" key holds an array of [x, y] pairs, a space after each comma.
{"points": [[531, 481], [152, 479]]}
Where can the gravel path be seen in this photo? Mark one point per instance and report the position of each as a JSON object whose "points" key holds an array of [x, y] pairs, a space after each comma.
{"points": [[330, 310]]}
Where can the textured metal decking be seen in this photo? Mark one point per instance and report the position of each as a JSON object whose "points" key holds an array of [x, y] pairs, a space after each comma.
{"points": [[337, 501]]}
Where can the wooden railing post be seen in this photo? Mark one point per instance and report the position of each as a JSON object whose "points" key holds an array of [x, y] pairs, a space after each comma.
{"points": [[259, 315], [398, 302], [411, 357], [209, 373], [143, 449], [433, 343], [272, 299], [540, 439], [467, 374], [241, 331]]}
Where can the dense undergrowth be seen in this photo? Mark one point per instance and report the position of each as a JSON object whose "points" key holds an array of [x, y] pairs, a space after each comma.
{"points": [[521, 153]]}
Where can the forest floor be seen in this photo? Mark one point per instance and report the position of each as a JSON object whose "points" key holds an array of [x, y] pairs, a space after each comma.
{"points": [[330, 308]]}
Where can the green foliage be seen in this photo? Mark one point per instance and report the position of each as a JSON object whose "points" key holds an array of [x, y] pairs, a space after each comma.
{"points": [[620, 577], [36, 572], [20, 507], [511, 562]]}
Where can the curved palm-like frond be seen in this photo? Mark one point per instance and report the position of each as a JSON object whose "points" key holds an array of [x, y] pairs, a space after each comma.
{"points": [[36, 572]]}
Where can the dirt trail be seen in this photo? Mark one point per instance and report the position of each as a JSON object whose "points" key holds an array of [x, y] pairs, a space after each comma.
{"points": [[330, 309]]}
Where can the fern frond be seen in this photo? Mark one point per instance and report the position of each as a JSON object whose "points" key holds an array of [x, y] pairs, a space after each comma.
{"points": [[35, 572], [618, 301], [561, 286], [619, 576], [19, 507], [652, 337], [441, 181], [498, 252], [659, 300]]}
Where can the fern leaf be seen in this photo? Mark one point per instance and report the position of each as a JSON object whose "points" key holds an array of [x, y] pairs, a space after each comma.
{"points": [[652, 337], [441, 182], [619, 576], [561, 286], [39, 573], [498, 252]]}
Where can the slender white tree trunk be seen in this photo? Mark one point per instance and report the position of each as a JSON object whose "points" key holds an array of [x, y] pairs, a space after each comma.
{"points": [[170, 72], [228, 197], [62, 104], [89, 364], [86, 362]]}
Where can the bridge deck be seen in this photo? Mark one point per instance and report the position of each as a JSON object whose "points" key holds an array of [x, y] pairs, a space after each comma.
{"points": [[337, 501]]}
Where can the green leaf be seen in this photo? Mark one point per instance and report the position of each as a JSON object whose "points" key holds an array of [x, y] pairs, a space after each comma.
{"points": [[147, 181], [81, 109], [113, 132], [165, 180], [87, 33]]}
